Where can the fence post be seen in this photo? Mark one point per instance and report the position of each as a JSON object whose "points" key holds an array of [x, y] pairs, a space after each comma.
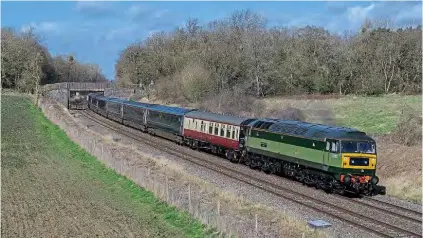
{"points": [[218, 207], [167, 189], [218, 214], [256, 224], [189, 197]]}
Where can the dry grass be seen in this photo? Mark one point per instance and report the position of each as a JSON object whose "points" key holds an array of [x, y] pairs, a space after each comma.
{"points": [[409, 129], [399, 169], [399, 165], [169, 181]]}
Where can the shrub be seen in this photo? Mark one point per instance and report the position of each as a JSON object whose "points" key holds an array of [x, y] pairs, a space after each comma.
{"points": [[289, 113], [409, 129], [233, 103]]}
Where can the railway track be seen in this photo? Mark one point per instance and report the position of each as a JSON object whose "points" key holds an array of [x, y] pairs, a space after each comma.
{"points": [[364, 221], [402, 212]]}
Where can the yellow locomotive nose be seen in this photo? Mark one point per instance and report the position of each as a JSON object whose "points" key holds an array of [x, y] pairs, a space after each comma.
{"points": [[358, 161]]}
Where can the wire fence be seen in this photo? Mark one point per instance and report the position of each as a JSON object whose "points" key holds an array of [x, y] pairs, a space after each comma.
{"points": [[221, 213]]}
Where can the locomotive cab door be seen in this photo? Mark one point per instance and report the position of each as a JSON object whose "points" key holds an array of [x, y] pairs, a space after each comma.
{"points": [[326, 155], [331, 154]]}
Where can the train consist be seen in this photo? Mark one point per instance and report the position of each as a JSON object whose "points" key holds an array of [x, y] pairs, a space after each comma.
{"points": [[335, 159]]}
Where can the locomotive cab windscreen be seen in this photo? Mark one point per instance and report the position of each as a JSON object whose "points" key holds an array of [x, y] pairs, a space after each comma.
{"points": [[363, 147], [358, 154]]}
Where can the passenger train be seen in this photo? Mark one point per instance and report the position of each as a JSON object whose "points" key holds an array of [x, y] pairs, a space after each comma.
{"points": [[335, 159]]}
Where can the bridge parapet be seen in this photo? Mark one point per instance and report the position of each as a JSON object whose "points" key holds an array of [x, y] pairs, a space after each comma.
{"points": [[78, 86], [74, 93]]}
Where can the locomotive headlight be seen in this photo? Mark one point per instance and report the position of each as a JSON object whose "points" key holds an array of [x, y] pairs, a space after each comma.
{"points": [[374, 180]]}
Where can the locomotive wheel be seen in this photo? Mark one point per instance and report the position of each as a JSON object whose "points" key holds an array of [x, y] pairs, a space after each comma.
{"points": [[214, 149], [194, 145], [251, 163], [230, 155], [266, 170]]}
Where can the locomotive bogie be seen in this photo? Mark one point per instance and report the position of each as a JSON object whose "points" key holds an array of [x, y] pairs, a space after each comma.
{"points": [[334, 159]]}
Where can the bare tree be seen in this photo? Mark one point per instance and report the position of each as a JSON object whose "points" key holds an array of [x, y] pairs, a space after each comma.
{"points": [[240, 52]]}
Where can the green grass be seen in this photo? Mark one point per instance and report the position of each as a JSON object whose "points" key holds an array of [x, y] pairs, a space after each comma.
{"points": [[374, 114], [52, 187]]}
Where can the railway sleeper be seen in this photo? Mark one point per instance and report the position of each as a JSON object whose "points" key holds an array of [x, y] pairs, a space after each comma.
{"points": [[294, 171]]}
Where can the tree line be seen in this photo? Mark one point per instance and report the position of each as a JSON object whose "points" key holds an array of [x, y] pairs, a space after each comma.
{"points": [[242, 53], [26, 63]]}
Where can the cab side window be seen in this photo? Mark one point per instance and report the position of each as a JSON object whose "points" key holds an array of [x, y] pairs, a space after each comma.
{"points": [[332, 146], [335, 146]]}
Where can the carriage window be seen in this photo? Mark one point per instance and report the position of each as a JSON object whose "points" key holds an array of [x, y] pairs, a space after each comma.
{"points": [[233, 133], [229, 132], [216, 129], [328, 146], [222, 130], [211, 128], [202, 126]]}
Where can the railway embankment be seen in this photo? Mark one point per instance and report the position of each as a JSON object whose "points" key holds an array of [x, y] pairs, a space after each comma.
{"points": [[393, 120], [172, 183]]}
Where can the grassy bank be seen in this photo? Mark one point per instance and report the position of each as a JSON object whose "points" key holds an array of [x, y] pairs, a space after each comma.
{"points": [[52, 187], [374, 115], [378, 115]]}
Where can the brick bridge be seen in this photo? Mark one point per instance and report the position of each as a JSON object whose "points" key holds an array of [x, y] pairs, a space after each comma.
{"points": [[74, 94]]}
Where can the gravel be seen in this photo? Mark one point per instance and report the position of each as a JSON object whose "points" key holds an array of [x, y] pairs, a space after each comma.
{"points": [[338, 228]]}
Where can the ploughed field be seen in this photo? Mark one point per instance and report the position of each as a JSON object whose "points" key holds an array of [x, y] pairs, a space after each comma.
{"points": [[51, 187]]}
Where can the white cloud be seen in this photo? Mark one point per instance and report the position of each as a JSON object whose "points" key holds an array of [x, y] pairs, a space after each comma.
{"points": [[47, 26], [161, 13], [122, 32], [95, 8], [358, 14], [136, 10], [415, 13]]}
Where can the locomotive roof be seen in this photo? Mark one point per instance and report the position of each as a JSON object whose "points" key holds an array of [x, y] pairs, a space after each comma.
{"points": [[311, 130], [204, 115]]}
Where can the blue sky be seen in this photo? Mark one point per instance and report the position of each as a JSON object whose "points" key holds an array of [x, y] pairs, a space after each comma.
{"points": [[96, 32]]}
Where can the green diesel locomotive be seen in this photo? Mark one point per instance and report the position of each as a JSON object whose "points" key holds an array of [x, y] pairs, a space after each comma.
{"points": [[335, 159]]}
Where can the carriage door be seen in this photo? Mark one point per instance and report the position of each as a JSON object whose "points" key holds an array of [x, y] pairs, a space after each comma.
{"points": [[243, 130]]}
